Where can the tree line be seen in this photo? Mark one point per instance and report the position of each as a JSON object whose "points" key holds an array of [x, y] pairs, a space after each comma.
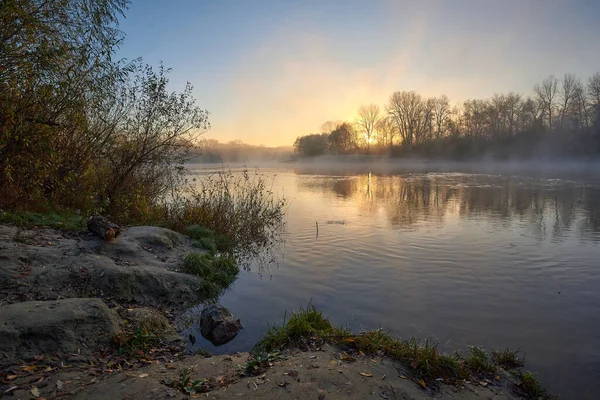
{"points": [[560, 117], [79, 129]]}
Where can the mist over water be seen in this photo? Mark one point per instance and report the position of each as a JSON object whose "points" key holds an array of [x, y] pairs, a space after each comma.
{"points": [[491, 254]]}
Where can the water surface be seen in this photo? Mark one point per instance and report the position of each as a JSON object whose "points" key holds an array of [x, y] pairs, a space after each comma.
{"points": [[467, 259]]}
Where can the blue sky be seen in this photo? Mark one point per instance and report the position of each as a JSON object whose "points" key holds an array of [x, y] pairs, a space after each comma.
{"points": [[269, 71]]}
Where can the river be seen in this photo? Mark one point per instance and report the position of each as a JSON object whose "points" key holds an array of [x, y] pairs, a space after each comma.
{"points": [[497, 260]]}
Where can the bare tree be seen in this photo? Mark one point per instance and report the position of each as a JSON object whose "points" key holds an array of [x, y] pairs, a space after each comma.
{"points": [[368, 117], [546, 96], [593, 91], [441, 114], [330, 126], [568, 92], [405, 109]]}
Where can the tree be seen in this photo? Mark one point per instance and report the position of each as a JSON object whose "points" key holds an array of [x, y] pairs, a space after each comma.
{"points": [[441, 114], [56, 68], [546, 96], [405, 108], [568, 92], [368, 117], [312, 145], [341, 140]]}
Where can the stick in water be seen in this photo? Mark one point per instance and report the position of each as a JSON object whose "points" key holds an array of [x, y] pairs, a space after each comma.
{"points": [[317, 224]]}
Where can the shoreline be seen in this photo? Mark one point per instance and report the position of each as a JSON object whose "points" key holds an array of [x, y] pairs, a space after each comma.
{"points": [[103, 313]]}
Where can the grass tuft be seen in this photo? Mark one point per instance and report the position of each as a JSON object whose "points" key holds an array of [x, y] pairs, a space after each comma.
{"points": [[218, 272], [478, 361], [304, 325], [530, 386], [507, 359]]}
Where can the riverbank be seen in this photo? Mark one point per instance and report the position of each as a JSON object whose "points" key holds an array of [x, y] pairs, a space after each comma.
{"points": [[86, 318]]}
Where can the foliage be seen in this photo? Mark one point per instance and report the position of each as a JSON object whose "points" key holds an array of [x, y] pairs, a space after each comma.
{"points": [[259, 362], [77, 129], [218, 272], [187, 385], [312, 145]]}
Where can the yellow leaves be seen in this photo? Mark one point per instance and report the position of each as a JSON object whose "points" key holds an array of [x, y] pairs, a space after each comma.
{"points": [[421, 383]]}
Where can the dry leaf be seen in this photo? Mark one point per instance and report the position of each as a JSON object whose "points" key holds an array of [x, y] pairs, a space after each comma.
{"points": [[35, 391], [143, 375], [422, 383], [365, 374], [59, 385], [11, 377], [402, 376]]}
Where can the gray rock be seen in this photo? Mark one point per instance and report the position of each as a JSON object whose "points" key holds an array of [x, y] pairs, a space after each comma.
{"points": [[217, 324], [68, 326]]}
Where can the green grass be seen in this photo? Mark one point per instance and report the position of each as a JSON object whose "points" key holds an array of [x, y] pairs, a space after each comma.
{"points": [[218, 272], [209, 240], [303, 325], [60, 220], [423, 358], [530, 386], [478, 361], [507, 359]]}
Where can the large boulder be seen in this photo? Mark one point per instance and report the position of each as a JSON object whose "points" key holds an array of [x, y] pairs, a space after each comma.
{"points": [[217, 324], [35, 328]]}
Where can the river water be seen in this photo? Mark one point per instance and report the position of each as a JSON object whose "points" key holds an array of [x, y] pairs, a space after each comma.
{"points": [[499, 260]]}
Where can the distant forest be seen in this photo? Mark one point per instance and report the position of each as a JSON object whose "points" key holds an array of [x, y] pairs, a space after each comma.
{"points": [[560, 118], [213, 151]]}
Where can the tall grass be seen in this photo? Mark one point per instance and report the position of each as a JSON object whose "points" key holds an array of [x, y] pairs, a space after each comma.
{"points": [[241, 206]]}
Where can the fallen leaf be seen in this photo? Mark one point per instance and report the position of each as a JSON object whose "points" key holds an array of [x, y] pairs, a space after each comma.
{"points": [[422, 383], [366, 374], [345, 357], [484, 384], [35, 391], [402, 376], [143, 375], [340, 371], [59, 385], [30, 368], [11, 377]]}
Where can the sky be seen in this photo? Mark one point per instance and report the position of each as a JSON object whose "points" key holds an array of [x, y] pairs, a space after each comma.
{"points": [[270, 71]]}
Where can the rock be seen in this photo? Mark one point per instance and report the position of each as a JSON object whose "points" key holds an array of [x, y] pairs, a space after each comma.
{"points": [[102, 227], [35, 328], [217, 324]]}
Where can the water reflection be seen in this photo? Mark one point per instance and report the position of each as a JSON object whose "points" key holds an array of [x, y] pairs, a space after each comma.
{"points": [[549, 208]]}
